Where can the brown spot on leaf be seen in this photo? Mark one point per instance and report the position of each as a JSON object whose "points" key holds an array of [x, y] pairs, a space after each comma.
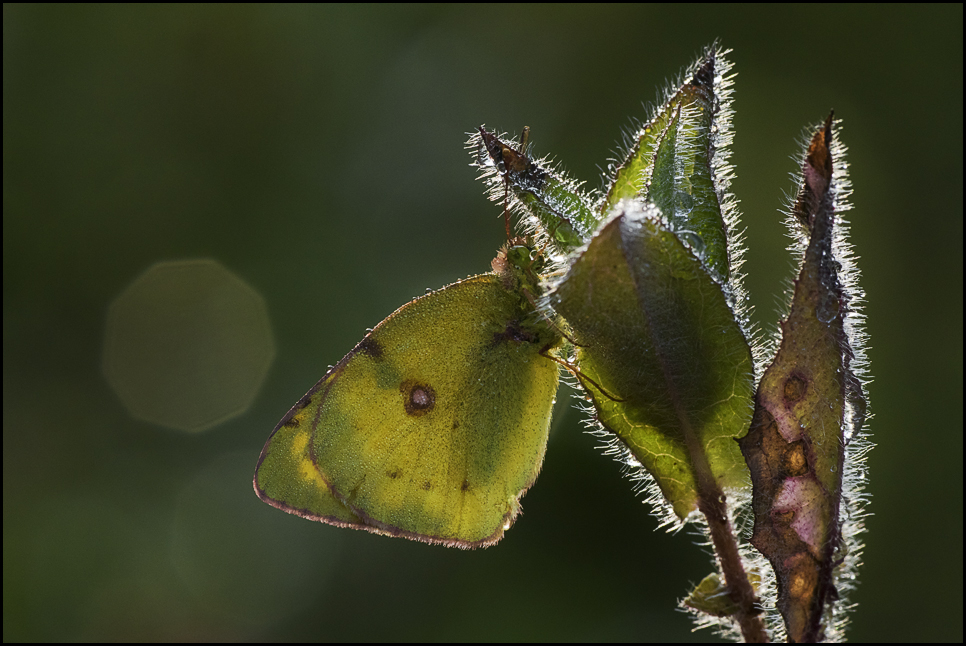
{"points": [[796, 585], [794, 462], [418, 398], [772, 460], [514, 161], [820, 151], [804, 390], [517, 164], [795, 388], [817, 173], [801, 586], [703, 80]]}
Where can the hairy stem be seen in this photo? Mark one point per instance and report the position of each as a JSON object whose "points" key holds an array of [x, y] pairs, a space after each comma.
{"points": [[712, 504]]}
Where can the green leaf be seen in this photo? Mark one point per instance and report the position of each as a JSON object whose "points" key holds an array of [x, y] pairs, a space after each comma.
{"points": [[711, 596], [660, 353], [807, 408], [678, 161], [553, 202]]}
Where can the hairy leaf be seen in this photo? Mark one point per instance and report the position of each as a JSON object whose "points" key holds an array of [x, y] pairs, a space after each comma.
{"points": [[712, 596], [660, 353], [807, 407], [554, 202], [672, 161]]}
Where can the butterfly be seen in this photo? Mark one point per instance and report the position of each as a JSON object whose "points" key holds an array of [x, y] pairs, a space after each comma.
{"points": [[434, 426]]}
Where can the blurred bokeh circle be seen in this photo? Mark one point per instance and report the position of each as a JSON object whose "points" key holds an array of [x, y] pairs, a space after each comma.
{"points": [[249, 575], [187, 345]]}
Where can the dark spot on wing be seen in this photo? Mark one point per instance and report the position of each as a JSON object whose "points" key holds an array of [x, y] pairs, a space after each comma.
{"points": [[370, 347], [456, 424], [418, 398], [289, 420], [426, 485], [465, 486], [514, 332], [393, 474]]}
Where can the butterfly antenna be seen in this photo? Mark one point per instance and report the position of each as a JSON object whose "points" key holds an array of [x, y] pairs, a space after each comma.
{"points": [[562, 333], [550, 236], [506, 207]]}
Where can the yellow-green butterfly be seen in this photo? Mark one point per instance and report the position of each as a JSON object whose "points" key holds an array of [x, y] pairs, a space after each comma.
{"points": [[435, 425]]}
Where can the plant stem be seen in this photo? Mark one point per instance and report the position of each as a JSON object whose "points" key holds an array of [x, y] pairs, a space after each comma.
{"points": [[714, 508], [712, 503]]}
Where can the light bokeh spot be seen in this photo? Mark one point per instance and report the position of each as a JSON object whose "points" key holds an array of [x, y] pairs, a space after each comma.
{"points": [[187, 345], [242, 560]]}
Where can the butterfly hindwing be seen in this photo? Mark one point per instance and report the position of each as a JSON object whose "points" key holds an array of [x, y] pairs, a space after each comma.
{"points": [[432, 427], [286, 476]]}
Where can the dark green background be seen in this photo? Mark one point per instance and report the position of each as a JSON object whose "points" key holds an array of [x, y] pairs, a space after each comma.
{"points": [[318, 153]]}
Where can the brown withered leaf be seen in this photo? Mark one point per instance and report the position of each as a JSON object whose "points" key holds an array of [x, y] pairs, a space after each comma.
{"points": [[796, 444]]}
